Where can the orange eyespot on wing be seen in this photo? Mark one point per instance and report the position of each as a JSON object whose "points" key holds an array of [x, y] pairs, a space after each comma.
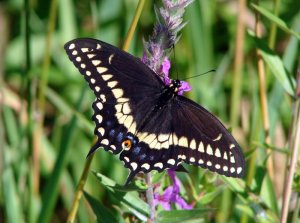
{"points": [[127, 144]]}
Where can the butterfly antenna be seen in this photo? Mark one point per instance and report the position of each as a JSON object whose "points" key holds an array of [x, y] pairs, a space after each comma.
{"points": [[175, 65], [213, 70]]}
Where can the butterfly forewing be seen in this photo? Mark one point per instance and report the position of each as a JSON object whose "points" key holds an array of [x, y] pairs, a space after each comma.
{"points": [[149, 133], [120, 82]]}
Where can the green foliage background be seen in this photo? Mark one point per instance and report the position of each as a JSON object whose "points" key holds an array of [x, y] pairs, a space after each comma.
{"points": [[37, 80]]}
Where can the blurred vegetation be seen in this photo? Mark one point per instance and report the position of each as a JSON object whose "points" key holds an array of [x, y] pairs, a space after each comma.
{"points": [[45, 104]]}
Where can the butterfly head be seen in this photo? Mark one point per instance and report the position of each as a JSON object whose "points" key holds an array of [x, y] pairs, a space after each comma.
{"points": [[175, 85]]}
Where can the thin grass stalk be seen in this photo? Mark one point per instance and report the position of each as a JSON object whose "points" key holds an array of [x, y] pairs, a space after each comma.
{"points": [[30, 125], [294, 144], [272, 35], [254, 136], [133, 24], [150, 198], [41, 97], [273, 30], [238, 65], [79, 190], [223, 214], [263, 96], [3, 43], [80, 187], [225, 206], [296, 211]]}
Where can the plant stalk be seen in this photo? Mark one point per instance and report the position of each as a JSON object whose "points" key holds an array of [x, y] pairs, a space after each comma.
{"points": [[294, 144], [263, 96]]}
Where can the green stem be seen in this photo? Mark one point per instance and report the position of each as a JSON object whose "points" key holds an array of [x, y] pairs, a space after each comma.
{"points": [[150, 198], [79, 190], [273, 30], [29, 94], [133, 24], [238, 66], [41, 97], [294, 143]]}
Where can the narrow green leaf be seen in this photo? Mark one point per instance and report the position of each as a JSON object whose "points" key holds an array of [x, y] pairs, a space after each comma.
{"points": [[280, 23], [11, 126], [276, 66], [268, 195]]}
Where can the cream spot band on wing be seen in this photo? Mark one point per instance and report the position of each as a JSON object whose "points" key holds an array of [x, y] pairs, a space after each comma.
{"points": [[183, 141], [239, 170], [163, 137], [171, 162], [105, 142], [146, 166], [209, 150], [117, 92], [101, 69], [96, 62], [91, 55], [84, 50], [101, 131], [112, 84], [159, 165], [134, 165], [107, 77], [217, 152], [72, 46], [201, 147], [218, 138], [193, 144], [110, 58]]}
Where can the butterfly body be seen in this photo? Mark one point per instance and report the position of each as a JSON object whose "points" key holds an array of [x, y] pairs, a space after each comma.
{"points": [[147, 122]]}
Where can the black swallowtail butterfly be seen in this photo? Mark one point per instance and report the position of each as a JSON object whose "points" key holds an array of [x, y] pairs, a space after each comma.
{"points": [[147, 122]]}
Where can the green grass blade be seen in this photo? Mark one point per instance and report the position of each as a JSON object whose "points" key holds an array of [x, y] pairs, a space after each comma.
{"points": [[280, 23], [276, 65]]}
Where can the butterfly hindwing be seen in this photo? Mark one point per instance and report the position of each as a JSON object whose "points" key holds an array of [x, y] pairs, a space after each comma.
{"points": [[190, 134], [208, 143]]}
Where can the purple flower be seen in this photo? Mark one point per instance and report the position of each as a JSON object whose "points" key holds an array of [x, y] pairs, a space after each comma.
{"points": [[184, 87], [171, 195], [144, 58], [165, 67], [165, 32]]}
